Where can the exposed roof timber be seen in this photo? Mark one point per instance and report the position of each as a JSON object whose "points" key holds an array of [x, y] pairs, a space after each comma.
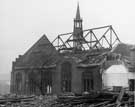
{"points": [[86, 30], [94, 40]]}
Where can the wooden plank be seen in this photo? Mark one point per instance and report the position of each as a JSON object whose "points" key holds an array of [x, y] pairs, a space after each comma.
{"points": [[119, 99]]}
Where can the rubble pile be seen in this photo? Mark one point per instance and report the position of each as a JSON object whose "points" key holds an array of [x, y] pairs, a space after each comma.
{"points": [[27, 101], [97, 99], [92, 99]]}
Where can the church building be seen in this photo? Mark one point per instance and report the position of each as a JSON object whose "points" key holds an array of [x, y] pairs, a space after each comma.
{"points": [[44, 69]]}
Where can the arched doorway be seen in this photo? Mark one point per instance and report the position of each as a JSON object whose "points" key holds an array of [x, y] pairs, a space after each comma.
{"points": [[66, 76]]}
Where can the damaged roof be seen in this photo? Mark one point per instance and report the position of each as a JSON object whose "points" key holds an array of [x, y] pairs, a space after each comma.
{"points": [[43, 53], [40, 54], [123, 49]]}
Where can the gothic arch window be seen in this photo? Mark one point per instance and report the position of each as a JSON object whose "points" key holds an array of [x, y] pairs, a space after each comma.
{"points": [[47, 81], [32, 82], [87, 81], [18, 82], [41, 81], [66, 76]]}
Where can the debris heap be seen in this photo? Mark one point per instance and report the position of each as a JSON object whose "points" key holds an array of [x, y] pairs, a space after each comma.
{"points": [[92, 99]]}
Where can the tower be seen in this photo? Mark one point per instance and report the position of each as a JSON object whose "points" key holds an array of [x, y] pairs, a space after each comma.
{"points": [[77, 31]]}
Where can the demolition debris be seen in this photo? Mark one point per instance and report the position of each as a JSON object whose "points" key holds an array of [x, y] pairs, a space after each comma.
{"points": [[92, 99]]}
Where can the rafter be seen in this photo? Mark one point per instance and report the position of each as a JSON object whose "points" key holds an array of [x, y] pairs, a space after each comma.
{"points": [[94, 41]]}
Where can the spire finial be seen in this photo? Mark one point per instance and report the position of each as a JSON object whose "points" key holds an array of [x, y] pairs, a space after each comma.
{"points": [[78, 12]]}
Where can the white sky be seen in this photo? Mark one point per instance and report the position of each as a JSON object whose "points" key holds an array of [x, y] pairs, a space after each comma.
{"points": [[23, 22]]}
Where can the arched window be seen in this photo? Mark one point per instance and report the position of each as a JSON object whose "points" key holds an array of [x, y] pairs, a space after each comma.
{"points": [[41, 80], [18, 82], [33, 82], [47, 81], [87, 81], [66, 76]]}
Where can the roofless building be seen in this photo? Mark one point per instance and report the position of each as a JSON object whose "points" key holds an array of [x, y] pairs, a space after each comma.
{"points": [[73, 62]]}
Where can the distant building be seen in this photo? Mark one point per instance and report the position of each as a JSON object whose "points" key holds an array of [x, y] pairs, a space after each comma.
{"points": [[46, 69]]}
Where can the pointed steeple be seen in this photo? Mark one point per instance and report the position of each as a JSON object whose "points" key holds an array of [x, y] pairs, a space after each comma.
{"points": [[78, 12], [78, 30]]}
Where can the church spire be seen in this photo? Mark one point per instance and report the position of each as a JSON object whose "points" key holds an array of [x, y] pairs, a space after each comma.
{"points": [[78, 12], [78, 31]]}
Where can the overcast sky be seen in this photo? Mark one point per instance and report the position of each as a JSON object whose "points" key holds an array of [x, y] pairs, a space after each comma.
{"points": [[23, 22]]}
